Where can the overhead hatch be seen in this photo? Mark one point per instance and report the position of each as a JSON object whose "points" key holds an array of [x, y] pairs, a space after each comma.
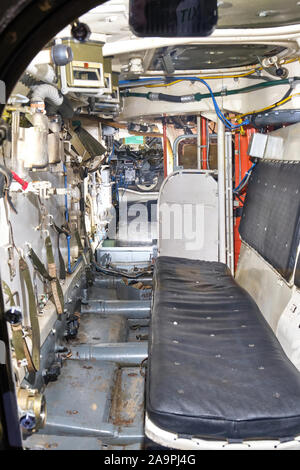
{"points": [[197, 57]]}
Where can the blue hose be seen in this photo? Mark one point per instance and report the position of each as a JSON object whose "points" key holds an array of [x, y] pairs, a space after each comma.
{"points": [[221, 116], [247, 175], [219, 113]]}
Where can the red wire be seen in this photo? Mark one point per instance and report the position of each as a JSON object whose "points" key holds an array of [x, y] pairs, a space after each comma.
{"points": [[22, 182]]}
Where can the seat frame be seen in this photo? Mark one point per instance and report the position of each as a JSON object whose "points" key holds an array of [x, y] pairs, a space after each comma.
{"points": [[173, 441]]}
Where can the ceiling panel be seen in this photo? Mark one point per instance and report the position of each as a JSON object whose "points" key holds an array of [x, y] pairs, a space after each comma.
{"points": [[111, 18], [197, 57], [258, 13]]}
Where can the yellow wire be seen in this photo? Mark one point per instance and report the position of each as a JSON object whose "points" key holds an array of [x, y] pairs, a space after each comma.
{"points": [[205, 78], [291, 60], [275, 105], [219, 77]]}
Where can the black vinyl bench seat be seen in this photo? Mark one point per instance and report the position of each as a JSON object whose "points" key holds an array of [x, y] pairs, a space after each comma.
{"points": [[216, 369]]}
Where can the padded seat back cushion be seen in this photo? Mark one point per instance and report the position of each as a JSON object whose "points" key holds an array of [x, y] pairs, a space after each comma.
{"points": [[271, 218]]}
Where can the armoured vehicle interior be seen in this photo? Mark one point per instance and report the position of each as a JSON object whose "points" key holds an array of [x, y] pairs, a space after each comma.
{"points": [[150, 225]]}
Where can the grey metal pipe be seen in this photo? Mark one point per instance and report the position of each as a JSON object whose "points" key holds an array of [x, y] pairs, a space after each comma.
{"points": [[128, 308], [176, 143], [107, 432], [121, 353], [175, 146], [59, 426], [112, 282]]}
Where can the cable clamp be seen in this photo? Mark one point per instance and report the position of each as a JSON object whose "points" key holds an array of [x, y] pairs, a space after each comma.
{"points": [[188, 99], [295, 82], [23, 363], [153, 96]]}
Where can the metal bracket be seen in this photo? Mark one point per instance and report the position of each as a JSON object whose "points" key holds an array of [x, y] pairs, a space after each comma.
{"points": [[272, 66]]}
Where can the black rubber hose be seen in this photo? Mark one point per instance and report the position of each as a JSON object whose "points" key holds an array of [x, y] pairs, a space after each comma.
{"points": [[170, 98]]}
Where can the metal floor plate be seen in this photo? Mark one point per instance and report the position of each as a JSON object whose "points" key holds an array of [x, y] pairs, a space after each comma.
{"points": [[96, 404]]}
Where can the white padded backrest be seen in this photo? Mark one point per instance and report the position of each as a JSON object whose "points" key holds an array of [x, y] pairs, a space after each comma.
{"points": [[188, 216]]}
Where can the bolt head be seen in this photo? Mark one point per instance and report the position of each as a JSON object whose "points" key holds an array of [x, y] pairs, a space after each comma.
{"points": [[14, 315]]}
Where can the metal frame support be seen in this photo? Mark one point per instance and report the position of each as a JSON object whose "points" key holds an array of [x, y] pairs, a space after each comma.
{"points": [[229, 201], [221, 192], [199, 142], [204, 140]]}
